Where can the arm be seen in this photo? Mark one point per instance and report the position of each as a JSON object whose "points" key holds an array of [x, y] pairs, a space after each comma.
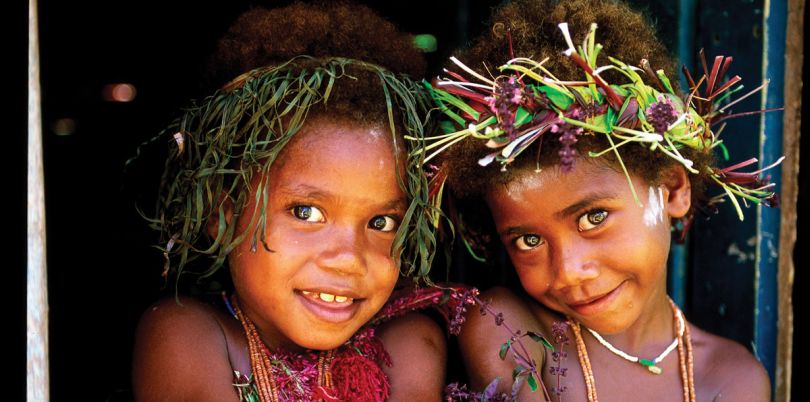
{"points": [[181, 354], [419, 354], [744, 379], [481, 339]]}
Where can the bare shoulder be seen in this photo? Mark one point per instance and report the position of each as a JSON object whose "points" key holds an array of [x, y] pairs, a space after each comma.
{"points": [[483, 335], [182, 353], [418, 351], [726, 371], [504, 302]]}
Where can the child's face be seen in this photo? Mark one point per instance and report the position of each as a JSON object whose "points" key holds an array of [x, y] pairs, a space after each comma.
{"points": [[334, 207], [582, 245]]}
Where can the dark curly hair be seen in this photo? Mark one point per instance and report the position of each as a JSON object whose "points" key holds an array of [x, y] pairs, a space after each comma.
{"points": [[276, 69], [265, 37], [625, 34], [261, 37]]}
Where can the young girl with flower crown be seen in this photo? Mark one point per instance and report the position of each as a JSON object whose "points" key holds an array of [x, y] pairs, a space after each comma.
{"points": [[296, 178], [587, 160]]}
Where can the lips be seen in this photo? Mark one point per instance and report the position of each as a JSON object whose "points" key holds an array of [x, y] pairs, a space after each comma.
{"points": [[597, 304], [328, 297], [332, 306]]}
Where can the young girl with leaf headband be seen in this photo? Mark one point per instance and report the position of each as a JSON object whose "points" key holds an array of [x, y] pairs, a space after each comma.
{"points": [[295, 178], [565, 124]]}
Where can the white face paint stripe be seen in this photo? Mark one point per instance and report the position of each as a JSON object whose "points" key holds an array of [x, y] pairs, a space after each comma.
{"points": [[654, 212], [661, 199]]}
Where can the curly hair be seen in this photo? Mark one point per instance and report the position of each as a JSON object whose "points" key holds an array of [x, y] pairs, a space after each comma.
{"points": [[532, 26], [282, 67], [261, 37], [265, 37]]}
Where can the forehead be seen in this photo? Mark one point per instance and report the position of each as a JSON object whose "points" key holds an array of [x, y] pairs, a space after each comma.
{"points": [[551, 187], [336, 140], [325, 132], [339, 158]]}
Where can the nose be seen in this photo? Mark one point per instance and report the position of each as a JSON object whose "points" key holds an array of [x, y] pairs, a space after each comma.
{"points": [[573, 264], [343, 251]]}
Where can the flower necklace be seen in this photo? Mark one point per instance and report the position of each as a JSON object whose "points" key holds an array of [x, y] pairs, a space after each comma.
{"points": [[682, 341]]}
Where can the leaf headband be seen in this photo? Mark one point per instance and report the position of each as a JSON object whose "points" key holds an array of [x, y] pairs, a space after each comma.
{"points": [[511, 111], [218, 145]]}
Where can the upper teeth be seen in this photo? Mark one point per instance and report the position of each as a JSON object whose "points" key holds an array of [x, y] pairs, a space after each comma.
{"points": [[328, 297]]}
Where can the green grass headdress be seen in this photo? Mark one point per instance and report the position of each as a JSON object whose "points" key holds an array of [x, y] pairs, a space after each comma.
{"points": [[219, 144]]}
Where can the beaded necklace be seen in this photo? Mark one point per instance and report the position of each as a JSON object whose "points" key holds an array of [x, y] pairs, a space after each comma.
{"points": [[683, 342], [651, 365], [263, 367]]}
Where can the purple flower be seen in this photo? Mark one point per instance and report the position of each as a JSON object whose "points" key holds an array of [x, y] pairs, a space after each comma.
{"points": [[559, 355], [568, 137], [457, 392], [508, 95], [661, 114], [484, 305], [558, 391], [558, 332]]}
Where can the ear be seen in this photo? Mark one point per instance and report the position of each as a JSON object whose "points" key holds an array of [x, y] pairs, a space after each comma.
{"points": [[219, 219], [678, 191]]}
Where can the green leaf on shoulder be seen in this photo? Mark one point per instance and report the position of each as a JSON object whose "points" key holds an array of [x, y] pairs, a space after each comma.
{"points": [[532, 382], [518, 371], [540, 339], [504, 349]]}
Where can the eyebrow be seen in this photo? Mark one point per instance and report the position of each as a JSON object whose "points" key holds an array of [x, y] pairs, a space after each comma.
{"points": [[311, 192], [305, 190], [566, 212], [399, 203], [583, 203], [514, 230]]}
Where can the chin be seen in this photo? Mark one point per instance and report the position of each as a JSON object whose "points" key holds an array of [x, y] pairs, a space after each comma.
{"points": [[323, 339], [324, 344]]}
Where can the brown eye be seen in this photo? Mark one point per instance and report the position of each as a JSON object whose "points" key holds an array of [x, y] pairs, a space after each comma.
{"points": [[528, 242], [591, 220], [383, 223], [307, 213]]}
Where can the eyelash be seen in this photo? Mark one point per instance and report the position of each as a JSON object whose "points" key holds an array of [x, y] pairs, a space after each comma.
{"points": [[600, 215], [298, 212], [389, 221], [305, 213], [521, 244]]}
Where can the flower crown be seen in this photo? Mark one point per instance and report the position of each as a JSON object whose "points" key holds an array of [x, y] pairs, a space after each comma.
{"points": [[511, 111]]}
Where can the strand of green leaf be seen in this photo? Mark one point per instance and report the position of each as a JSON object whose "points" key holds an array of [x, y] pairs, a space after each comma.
{"points": [[240, 131], [733, 189]]}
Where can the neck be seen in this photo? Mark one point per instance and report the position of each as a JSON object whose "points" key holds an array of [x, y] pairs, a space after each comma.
{"points": [[654, 329], [266, 333]]}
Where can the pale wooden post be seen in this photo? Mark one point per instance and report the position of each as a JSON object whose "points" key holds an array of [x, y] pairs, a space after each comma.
{"points": [[37, 292]]}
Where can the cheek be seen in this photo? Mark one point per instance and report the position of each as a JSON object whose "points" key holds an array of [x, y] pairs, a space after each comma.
{"points": [[387, 275], [382, 271], [535, 280]]}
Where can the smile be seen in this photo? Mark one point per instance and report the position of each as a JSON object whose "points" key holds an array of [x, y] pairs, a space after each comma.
{"points": [[329, 298], [598, 304], [330, 307]]}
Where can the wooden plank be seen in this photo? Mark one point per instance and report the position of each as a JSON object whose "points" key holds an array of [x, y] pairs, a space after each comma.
{"points": [[794, 60], [766, 310], [37, 287]]}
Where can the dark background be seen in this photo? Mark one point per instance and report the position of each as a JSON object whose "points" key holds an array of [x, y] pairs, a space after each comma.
{"points": [[102, 269]]}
